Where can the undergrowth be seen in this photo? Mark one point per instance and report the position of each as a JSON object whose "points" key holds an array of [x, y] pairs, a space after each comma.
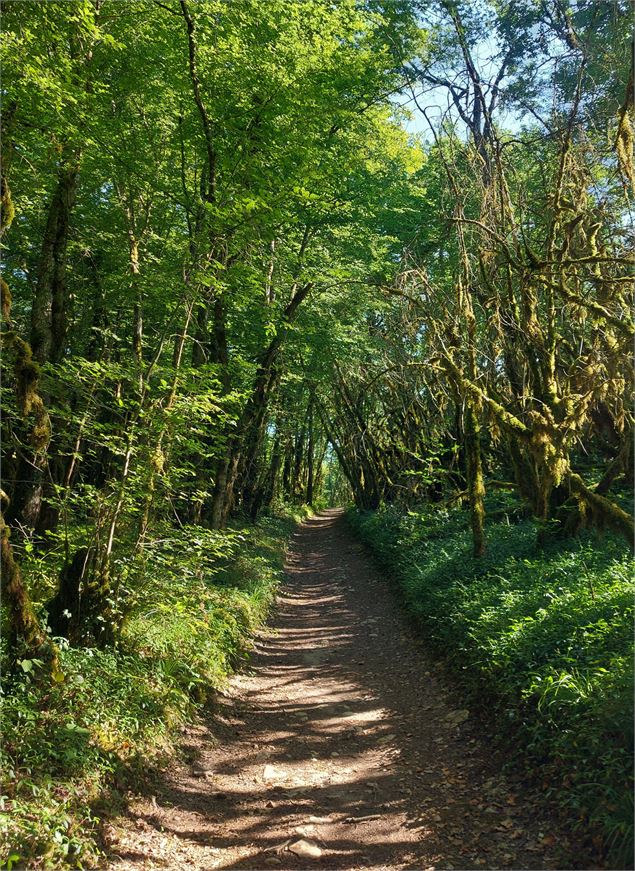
{"points": [[540, 638], [70, 747]]}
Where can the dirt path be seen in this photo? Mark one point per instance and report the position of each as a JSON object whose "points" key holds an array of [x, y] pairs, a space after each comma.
{"points": [[339, 748]]}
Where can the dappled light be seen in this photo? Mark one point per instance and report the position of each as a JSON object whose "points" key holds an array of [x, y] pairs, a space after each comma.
{"points": [[295, 292], [318, 741]]}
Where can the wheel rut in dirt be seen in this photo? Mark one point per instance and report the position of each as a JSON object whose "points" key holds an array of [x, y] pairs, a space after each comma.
{"points": [[338, 747]]}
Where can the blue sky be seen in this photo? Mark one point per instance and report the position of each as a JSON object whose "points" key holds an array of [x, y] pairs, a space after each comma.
{"points": [[437, 101]]}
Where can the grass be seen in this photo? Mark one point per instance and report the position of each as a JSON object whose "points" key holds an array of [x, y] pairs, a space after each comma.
{"points": [[541, 640], [71, 747]]}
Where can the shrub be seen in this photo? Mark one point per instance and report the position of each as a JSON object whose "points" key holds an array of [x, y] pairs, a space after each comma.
{"points": [[117, 712], [541, 636]]}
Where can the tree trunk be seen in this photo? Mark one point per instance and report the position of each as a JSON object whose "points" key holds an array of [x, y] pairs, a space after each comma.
{"points": [[217, 509], [49, 314], [309, 457], [24, 626], [25, 631], [475, 483], [286, 470]]}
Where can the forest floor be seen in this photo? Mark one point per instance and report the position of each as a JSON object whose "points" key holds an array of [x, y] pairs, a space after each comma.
{"points": [[340, 746]]}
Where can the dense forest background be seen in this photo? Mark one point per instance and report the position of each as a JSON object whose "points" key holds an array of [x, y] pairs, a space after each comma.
{"points": [[268, 254]]}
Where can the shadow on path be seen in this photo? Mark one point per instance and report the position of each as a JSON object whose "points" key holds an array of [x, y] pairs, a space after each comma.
{"points": [[337, 747]]}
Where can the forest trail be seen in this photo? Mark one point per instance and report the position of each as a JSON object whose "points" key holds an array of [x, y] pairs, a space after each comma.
{"points": [[339, 747]]}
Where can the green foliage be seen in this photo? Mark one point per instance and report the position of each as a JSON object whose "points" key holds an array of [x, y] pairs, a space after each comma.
{"points": [[249, 286], [540, 638], [117, 712]]}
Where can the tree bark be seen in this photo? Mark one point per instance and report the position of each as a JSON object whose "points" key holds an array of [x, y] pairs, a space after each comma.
{"points": [[309, 457], [49, 314], [24, 625], [26, 635]]}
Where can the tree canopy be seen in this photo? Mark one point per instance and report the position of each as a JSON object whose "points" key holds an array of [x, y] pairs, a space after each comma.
{"points": [[268, 253], [233, 277]]}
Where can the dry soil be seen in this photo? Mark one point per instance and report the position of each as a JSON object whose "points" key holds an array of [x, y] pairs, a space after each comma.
{"points": [[340, 746]]}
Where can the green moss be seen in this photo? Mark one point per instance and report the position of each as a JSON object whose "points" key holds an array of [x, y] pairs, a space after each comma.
{"points": [[7, 208]]}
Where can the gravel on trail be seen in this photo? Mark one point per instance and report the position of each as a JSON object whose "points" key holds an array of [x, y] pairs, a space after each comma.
{"points": [[339, 746]]}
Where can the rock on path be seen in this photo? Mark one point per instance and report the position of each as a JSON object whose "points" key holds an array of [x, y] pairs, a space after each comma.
{"points": [[338, 748]]}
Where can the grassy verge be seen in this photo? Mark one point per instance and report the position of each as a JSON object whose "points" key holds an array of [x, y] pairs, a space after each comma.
{"points": [[118, 712], [540, 638]]}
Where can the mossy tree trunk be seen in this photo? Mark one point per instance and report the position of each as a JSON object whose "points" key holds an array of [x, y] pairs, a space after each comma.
{"points": [[27, 639], [49, 313]]}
